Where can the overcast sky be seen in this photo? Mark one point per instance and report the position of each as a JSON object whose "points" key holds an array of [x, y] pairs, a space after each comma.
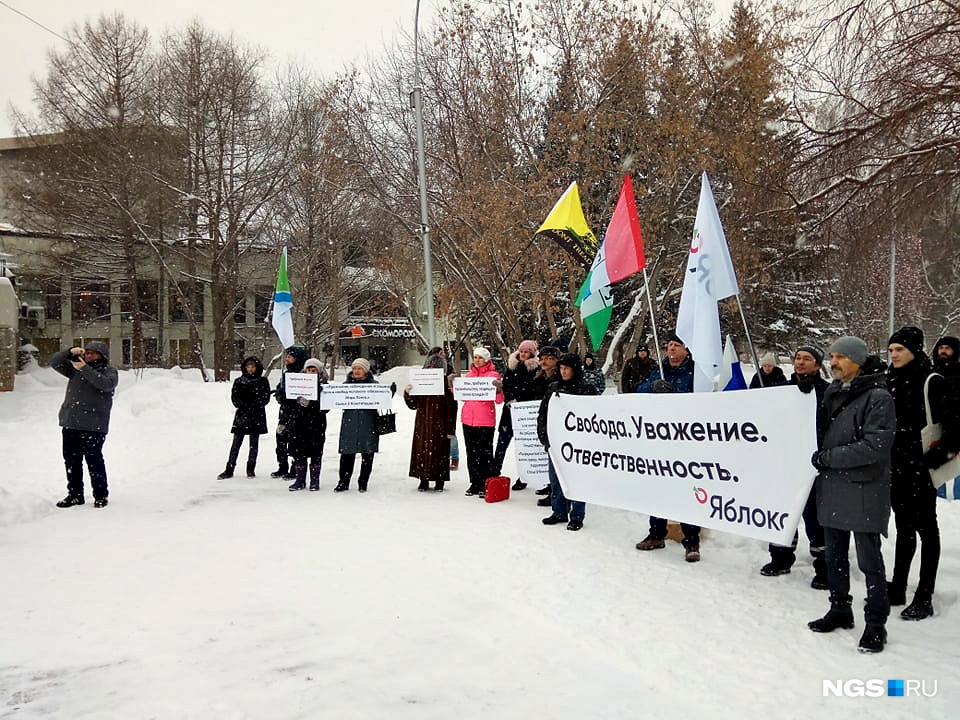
{"points": [[324, 34]]}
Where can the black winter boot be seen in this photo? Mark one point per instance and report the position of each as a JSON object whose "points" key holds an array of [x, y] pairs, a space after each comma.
{"points": [[342, 486], [300, 477], [832, 620], [227, 473], [70, 501], [314, 476], [281, 472], [920, 608], [251, 469], [873, 639], [361, 486]]}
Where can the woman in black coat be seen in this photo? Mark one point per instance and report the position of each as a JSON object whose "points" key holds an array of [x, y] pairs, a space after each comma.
{"points": [[307, 432], [250, 395]]}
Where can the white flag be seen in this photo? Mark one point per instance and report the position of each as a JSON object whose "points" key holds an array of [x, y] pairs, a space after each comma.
{"points": [[709, 278]]}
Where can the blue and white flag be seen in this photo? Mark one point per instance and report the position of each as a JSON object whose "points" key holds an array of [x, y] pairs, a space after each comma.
{"points": [[731, 375], [283, 304], [709, 278]]}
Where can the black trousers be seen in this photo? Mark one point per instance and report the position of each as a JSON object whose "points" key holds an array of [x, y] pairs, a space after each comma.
{"points": [[80, 445], [870, 561], [347, 461], [478, 444], [282, 463], [915, 513], [235, 449]]}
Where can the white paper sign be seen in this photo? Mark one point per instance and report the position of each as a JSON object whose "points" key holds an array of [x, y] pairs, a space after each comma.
{"points": [[301, 385], [355, 396], [474, 388], [532, 458], [427, 381], [734, 461]]}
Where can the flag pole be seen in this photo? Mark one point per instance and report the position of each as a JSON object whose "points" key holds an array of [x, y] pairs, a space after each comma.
{"points": [[653, 321], [746, 330]]}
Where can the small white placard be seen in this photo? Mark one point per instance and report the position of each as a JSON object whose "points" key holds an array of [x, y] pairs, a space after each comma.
{"points": [[474, 388], [532, 458], [355, 396], [299, 385], [426, 381]]}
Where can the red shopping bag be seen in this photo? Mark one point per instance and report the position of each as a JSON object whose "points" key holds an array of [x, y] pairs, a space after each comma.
{"points": [[498, 488]]}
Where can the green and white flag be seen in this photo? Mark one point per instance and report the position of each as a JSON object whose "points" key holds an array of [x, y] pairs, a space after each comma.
{"points": [[283, 304], [596, 309]]}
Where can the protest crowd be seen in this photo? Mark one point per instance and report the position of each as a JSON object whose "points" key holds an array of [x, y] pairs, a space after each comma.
{"points": [[870, 454]]}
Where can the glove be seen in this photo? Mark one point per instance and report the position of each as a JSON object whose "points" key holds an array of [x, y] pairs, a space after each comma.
{"points": [[805, 385], [817, 460], [393, 389], [303, 401], [281, 429]]}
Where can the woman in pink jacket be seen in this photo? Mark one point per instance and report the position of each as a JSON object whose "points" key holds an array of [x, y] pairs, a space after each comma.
{"points": [[479, 418]]}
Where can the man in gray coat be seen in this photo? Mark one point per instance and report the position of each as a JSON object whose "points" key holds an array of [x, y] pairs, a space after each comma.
{"points": [[857, 426], [85, 417]]}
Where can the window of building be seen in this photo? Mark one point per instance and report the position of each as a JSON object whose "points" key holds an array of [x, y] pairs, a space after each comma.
{"points": [[240, 310], [182, 353], [149, 295], [151, 351], [91, 302], [263, 296], [52, 299], [180, 304]]}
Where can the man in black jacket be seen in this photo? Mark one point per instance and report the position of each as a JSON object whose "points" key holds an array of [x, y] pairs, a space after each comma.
{"points": [[85, 417], [856, 429], [807, 366]]}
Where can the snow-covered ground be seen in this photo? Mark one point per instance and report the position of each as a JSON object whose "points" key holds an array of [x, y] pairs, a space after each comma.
{"points": [[191, 597]]}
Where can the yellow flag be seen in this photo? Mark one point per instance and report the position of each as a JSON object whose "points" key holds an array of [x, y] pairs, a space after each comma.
{"points": [[567, 227]]}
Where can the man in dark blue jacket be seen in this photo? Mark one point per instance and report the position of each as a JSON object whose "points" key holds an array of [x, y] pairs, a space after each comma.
{"points": [[85, 417], [677, 372]]}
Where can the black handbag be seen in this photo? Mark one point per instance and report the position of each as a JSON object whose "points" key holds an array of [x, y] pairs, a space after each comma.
{"points": [[386, 423]]}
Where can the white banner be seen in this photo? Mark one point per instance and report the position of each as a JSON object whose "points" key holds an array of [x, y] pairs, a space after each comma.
{"points": [[532, 458], [734, 461], [298, 385], [474, 388], [427, 381], [355, 396]]}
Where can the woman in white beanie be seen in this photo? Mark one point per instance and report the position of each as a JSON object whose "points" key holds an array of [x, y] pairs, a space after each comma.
{"points": [[770, 375], [479, 418], [358, 434]]}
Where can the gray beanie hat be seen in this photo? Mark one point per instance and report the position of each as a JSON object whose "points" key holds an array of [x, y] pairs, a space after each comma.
{"points": [[100, 347], [853, 347]]}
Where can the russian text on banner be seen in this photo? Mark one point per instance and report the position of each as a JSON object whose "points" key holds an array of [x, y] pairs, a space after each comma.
{"points": [[356, 396], [737, 462], [532, 458]]}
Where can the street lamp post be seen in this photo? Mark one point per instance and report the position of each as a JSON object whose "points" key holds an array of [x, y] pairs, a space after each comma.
{"points": [[417, 101]]}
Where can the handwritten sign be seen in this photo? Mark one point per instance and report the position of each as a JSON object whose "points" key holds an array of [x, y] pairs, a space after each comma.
{"points": [[426, 381], [301, 385], [355, 396], [474, 388], [532, 458]]}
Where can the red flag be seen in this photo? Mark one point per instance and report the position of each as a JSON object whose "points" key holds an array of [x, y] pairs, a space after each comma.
{"points": [[623, 244]]}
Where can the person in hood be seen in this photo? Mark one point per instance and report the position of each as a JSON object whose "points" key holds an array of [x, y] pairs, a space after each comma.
{"points": [[571, 382], [294, 358], [85, 417], [307, 432], [636, 370], [946, 356], [593, 374], [857, 425], [250, 395]]}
